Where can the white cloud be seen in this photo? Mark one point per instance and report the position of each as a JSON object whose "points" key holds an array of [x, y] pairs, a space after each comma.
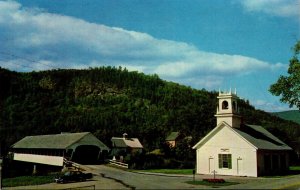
{"points": [[207, 82], [68, 42], [270, 106], [283, 8]]}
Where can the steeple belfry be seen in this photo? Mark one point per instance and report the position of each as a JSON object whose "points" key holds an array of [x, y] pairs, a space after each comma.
{"points": [[228, 110]]}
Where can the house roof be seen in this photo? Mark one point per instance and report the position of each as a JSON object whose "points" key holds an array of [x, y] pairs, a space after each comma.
{"points": [[255, 135], [173, 136], [126, 142], [56, 141]]}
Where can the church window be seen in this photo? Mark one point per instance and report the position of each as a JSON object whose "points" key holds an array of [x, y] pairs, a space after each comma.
{"points": [[224, 105], [225, 161]]}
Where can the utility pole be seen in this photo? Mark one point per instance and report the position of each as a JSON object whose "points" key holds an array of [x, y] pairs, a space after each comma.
{"points": [[194, 175]]}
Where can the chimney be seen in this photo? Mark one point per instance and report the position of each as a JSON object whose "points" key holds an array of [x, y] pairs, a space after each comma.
{"points": [[124, 135]]}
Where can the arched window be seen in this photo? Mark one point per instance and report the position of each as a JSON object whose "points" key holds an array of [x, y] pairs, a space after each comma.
{"points": [[225, 105]]}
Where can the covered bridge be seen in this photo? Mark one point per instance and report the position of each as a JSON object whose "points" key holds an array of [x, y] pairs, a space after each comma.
{"points": [[54, 149]]}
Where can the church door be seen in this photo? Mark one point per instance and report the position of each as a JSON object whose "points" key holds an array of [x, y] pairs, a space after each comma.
{"points": [[239, 166]]}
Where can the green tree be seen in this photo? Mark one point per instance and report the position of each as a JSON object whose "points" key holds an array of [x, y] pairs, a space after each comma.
{"points": [[289, 86]]}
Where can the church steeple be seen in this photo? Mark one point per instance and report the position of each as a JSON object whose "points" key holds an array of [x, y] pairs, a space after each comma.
{"points": [[228, 110]]}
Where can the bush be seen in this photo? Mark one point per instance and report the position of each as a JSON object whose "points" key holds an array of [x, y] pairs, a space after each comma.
{"points": [[172, 164], [146, 161], [187, 165], [156, 161], [152, 161]]}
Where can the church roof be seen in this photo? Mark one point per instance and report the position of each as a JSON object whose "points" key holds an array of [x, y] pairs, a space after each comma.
{"points": [[55, 141], [256, 135], [261, 138]]}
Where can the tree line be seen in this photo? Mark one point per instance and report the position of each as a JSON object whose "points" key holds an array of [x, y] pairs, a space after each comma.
{"points": [[109, 101]]}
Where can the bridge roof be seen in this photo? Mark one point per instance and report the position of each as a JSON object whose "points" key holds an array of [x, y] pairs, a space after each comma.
{"points": [[55, 141]]}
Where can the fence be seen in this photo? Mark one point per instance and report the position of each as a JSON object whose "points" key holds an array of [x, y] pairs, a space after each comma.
{"points": [[69, 163], [121, 164]]}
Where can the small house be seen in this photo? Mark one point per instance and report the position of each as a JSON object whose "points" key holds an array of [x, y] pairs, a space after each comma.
{"points": [[172, 138], [122, 146]]}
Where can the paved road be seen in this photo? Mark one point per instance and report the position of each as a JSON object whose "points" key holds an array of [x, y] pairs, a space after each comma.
{"points": [[146, 181], [112, 178], [289, 182]]}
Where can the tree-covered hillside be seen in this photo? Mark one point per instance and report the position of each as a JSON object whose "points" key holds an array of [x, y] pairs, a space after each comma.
{"points": [[110, 101], [291, 115]]}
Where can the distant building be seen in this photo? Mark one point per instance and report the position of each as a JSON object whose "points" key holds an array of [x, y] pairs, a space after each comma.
{"points": [[124, 145], [235, 148], [55, 149], [174, 137]]}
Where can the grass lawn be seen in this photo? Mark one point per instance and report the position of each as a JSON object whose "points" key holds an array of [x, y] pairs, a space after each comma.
{"points": [[295, 168], [27, 180], [211, 184], [169, 171]]}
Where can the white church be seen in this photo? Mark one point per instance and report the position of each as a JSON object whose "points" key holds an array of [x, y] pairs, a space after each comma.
{"points": [[238, 149]]}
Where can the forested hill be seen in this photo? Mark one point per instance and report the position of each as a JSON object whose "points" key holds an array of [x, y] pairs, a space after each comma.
{"points": [[110, 101], [291, 115]]}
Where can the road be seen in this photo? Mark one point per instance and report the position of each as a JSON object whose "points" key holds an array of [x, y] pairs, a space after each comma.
{"points": [[146, 181], [143, 181], [112, 178]]}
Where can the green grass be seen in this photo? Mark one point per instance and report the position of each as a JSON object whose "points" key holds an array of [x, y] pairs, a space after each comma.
{"points": [[169, 171], [295, 168], [27, 180], [211, 184]]}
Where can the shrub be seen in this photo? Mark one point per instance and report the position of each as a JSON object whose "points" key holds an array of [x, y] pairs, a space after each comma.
{"points": [[156, 161], [171, 163], [146, 161], [153, 161]]}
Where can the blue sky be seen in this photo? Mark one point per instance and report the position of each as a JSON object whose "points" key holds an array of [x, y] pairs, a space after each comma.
{"points": [[211, 44]]}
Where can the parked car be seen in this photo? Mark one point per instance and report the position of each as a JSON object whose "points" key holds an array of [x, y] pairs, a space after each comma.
{"points": [[73, 176]]}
